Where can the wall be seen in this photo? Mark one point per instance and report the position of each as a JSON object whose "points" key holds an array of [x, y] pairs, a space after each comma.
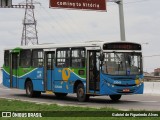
{"points": [[152, 87]]}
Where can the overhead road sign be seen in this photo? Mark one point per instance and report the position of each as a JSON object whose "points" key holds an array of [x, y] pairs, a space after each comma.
{"points": [[4, 3], [8, 4], [99, 5], [19, 6]]}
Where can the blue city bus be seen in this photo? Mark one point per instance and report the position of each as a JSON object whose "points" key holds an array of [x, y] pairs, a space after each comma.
{"points": [[87, 69]]}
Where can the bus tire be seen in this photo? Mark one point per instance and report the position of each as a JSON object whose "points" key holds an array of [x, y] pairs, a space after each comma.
{"points": [[81, 96], [30, 92], [115, 97], [29, 89], [59, 95]]}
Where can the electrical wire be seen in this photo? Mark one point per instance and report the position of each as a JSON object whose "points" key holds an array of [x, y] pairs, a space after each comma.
{"points": [[63, 27], [47, 25], [68, 25]]}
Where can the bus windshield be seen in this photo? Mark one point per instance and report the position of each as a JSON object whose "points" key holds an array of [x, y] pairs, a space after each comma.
{"points": [[122, 63]]}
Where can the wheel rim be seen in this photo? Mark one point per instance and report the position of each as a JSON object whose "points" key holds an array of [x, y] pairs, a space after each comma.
{"points": [[81, 93], [28, 89]]}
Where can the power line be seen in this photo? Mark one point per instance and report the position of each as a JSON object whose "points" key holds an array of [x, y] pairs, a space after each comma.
{"points": [[47, 25], [68, 25], [58, 23]]}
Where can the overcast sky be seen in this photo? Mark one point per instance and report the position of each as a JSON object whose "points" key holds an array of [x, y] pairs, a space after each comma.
{"points": [[142, 23]]}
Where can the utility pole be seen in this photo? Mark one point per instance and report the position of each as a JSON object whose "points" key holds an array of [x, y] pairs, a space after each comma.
{"points": [[121, 18], [29, 33]]}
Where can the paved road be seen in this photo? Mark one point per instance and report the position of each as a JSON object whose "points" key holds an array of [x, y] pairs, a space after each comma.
{"points": [[135, 102]]}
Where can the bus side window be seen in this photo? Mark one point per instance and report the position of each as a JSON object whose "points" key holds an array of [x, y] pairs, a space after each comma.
{"points": [[37, 58], [78, 58], [63, 57], [25, 58]]}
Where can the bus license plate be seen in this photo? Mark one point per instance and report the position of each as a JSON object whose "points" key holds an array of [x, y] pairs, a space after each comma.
{"points": [[126, 90]]}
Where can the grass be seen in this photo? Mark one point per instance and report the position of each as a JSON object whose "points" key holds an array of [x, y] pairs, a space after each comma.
{"points": [[14, 105]]}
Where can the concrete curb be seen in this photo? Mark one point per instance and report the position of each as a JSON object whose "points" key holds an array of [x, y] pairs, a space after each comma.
{"points": [[152, 87]]}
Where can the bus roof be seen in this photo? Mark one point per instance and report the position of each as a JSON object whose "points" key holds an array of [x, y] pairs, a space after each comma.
{"points": [[52, 45]]}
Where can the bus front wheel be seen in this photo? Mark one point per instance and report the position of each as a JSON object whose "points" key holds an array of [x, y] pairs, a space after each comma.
{"points": [[29, 90], [81, 96], [115, 97]]}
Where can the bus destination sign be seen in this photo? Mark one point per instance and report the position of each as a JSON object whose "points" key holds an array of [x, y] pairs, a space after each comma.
{"points": [[122, 46], [99, 5]]}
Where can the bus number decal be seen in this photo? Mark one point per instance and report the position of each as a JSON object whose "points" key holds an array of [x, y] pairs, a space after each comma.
{"points": [[117, 82], [57, 86]]}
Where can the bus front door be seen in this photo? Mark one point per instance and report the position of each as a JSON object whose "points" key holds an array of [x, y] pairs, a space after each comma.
{"points": [[93, 77], [49, 70], [14, 70]]}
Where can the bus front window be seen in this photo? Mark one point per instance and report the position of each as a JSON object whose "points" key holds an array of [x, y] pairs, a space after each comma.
{"points": [[122, 63]]}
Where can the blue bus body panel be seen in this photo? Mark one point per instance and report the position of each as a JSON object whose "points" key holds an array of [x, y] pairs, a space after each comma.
{"points": [[56, 83], [6, 79], [111, 85], [50, 76], [62, 86], [38, 85], [36, 76], [21, 83], [65, 85]]}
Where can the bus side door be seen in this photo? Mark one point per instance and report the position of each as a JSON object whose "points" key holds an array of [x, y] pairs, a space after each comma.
{"points": [[93, 76], [14, 70], [49, 70]]}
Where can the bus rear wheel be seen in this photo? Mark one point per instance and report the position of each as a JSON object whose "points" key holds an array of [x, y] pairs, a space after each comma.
{"points": [[30, 92], [115, 97], [81, 96]]}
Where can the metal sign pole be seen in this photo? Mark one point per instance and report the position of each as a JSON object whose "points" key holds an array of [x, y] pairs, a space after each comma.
{"points": [[121, 19]]}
